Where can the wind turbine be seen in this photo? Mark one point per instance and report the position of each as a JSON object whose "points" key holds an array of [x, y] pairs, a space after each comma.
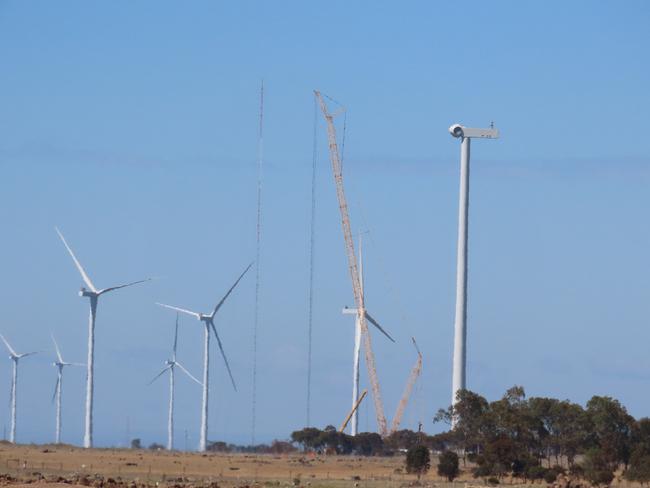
{"points": [[170, 365], [354, 422], [60, 364], [460, 323], [208, 322], [15, 357], [93, 295]]}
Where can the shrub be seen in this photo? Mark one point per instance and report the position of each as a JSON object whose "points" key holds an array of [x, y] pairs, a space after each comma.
{"points": [[448, 465], [418, 460]]}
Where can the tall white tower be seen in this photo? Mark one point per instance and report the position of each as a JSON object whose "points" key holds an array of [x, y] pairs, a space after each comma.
{"points": [[460, 323]]}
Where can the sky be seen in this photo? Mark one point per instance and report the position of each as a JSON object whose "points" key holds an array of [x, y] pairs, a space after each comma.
{"points": [[132, 126]]}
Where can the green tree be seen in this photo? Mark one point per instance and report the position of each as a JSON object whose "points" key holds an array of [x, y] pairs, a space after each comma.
{"points": [[418, 460], [597, 467], [639, 469], [448, 465], [611, 428]]}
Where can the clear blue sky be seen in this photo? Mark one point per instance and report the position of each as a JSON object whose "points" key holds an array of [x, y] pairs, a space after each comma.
{"points": [[132, 126]]}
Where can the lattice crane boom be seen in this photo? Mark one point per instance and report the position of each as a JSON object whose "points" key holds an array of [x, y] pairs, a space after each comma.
{"points": [[408, 389], [352, 264]]}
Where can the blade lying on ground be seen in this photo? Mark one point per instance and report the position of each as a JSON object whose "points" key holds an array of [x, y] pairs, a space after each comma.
{"points": [[223, 354], [83, 273], [218, 306]]}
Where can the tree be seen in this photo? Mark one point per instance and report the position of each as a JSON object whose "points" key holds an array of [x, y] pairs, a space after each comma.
{"points": [[611, 429], [136, 444], [368, 444], [598, 469], [418, 460], [639, 469], [448, 465]]}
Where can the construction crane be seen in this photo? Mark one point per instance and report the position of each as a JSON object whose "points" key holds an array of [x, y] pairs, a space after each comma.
{"points": [[354, 409], [413, 377], [352, 263]]}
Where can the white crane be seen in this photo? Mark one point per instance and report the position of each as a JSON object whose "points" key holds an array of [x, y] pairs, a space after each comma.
{"points": [[208, 322], [58, 389], [15, 357], [93, 294], [170, 365]]}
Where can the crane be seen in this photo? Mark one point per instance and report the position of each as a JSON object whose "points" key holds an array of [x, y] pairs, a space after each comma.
{"points": [[352, 263], [354, 409], [415, 373]]}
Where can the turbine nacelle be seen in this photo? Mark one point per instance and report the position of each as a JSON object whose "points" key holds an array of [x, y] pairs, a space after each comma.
{"points": [[85, 292], [460, 131]]}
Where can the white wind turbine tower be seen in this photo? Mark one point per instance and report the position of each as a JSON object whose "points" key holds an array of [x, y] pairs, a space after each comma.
{"points": [[170, 365], [58, 389], [460, 323], [208, 322], [15, 357], [93, 295], [354, 421]]}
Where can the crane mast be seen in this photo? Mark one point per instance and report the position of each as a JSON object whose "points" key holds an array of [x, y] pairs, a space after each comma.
{"points": [[415, 373], [352, 264]]}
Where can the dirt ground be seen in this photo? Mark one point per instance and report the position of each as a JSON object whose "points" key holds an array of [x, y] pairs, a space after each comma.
{"points": [[71, 466]]}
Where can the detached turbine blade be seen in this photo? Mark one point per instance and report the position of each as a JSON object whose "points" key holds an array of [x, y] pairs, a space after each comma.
{"points": [[58, 351], [11, 349], [187, 372], [188, 312], [106, 290], [83, 273], [159, 375], [218, 306], [223, 354], [374, 322]]}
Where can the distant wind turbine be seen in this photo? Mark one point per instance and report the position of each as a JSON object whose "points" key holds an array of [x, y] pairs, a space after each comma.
{"points": [[208, 321], [93, 295], [60, 364], [170, 365], [354, 423], [15, 357]]}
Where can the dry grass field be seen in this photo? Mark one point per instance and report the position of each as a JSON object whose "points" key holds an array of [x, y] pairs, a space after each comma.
{"points": [[48, 464]]}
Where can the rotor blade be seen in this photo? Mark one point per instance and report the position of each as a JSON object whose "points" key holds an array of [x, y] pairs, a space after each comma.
{"points": [[218, 306], [187, 372], [106, 290], [58, 351], [223, 354], [175, 337], [374, 322], [416, 346], [25, 354], [159, 375], [83, 273], [74, 364], [11, 349], [56, 387], [188, 312]]}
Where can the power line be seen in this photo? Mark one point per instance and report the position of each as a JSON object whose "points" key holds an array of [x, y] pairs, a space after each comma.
{"points": [[260, 147]]}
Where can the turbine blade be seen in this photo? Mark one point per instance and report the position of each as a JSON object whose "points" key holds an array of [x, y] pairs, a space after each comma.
{"points": [[56, 387], [159, 375], [218, 306], [187, 372], [106, 290], [11, 349], [376, 324], [25, 354], [74, 364], [58, 351], [83, 273], [223, 354], [188, 312], [175, 337]]}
